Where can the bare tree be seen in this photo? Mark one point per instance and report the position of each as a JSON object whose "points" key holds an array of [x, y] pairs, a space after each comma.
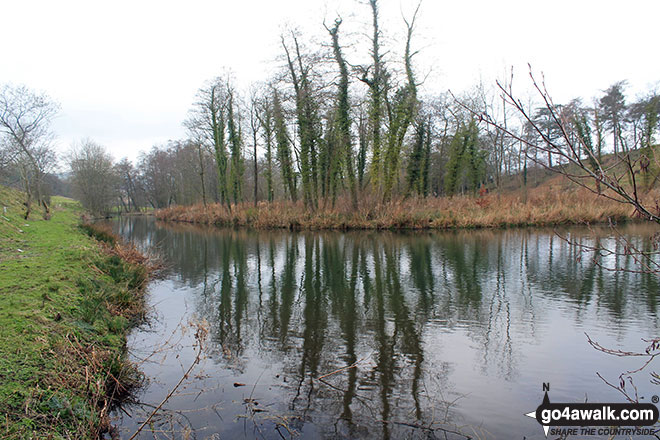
{"points": [[25, 119], [94, 177]]}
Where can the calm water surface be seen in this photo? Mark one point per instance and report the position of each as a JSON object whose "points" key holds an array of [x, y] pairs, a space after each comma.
{"points": [[453, 331]]}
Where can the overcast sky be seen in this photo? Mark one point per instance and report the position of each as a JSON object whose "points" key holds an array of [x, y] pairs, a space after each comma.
{"points": [[125, 72]]}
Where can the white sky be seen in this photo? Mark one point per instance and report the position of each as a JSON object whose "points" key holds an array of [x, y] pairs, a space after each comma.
{"points": [[125, 72]]}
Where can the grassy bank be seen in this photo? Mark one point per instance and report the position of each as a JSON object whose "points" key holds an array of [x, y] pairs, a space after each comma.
{"points": [[66, 303], [552, 204]]}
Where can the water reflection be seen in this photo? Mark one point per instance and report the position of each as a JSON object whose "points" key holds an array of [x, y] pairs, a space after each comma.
{"points": [[404, 331]]}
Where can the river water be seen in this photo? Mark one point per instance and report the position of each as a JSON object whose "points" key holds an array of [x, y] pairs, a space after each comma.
{"points": [[379, 334]]}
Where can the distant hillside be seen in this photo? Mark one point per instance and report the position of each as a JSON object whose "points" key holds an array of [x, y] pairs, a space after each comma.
{"points": [[544, 178]]}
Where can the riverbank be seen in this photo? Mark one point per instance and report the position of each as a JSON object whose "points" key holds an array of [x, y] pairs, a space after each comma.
{"points": [[68, 296], [543, 206]]}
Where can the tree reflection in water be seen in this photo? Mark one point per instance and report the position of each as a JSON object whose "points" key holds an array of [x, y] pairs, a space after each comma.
{"points": [[423, 322]]}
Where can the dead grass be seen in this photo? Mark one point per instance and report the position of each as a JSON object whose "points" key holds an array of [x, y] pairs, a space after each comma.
{"points": [[114, 245], [553, 204]]}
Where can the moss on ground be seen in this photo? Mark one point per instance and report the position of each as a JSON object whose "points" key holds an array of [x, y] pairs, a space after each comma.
{"points": [[66, 303]]}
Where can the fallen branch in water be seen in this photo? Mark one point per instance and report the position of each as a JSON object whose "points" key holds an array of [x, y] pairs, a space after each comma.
{"points": [[339, 370]]}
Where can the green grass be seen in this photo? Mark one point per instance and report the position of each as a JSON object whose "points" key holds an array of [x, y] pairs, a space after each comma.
{"points": [[65, 307]]}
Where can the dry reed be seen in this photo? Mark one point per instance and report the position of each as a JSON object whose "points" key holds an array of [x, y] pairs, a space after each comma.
{"points": [[542, 206]]}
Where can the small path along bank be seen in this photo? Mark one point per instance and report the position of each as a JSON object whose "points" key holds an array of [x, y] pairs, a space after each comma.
{"points": [[67, 301]]}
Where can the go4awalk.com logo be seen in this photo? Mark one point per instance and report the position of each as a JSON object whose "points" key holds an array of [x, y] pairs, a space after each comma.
{"points": [[595, 418]]}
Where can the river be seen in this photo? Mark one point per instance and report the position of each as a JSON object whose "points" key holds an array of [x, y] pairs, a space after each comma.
{"points": [[379, 334]]}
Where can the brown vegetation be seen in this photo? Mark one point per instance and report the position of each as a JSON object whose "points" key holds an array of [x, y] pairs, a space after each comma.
{"points": [[113, 246], [551, 204]]}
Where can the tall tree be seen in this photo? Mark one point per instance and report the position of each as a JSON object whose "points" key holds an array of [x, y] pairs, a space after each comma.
{"points": [[235, 147], [585, 139], [420, 158], [377, 84], [264, 114], [400, 112], [644, 115], [330, 159], [465, 169], [363, 141], [416, 160], [343, 120], [200, 158], [306, 115], [613, 107], [651, 119], [254, 128], [283, 148], [207, 122], [599, 130], [548, 127]]}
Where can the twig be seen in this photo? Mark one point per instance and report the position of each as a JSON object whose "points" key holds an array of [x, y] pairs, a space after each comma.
{"points": [[353, 365], [199, 335], [650, 352]]}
